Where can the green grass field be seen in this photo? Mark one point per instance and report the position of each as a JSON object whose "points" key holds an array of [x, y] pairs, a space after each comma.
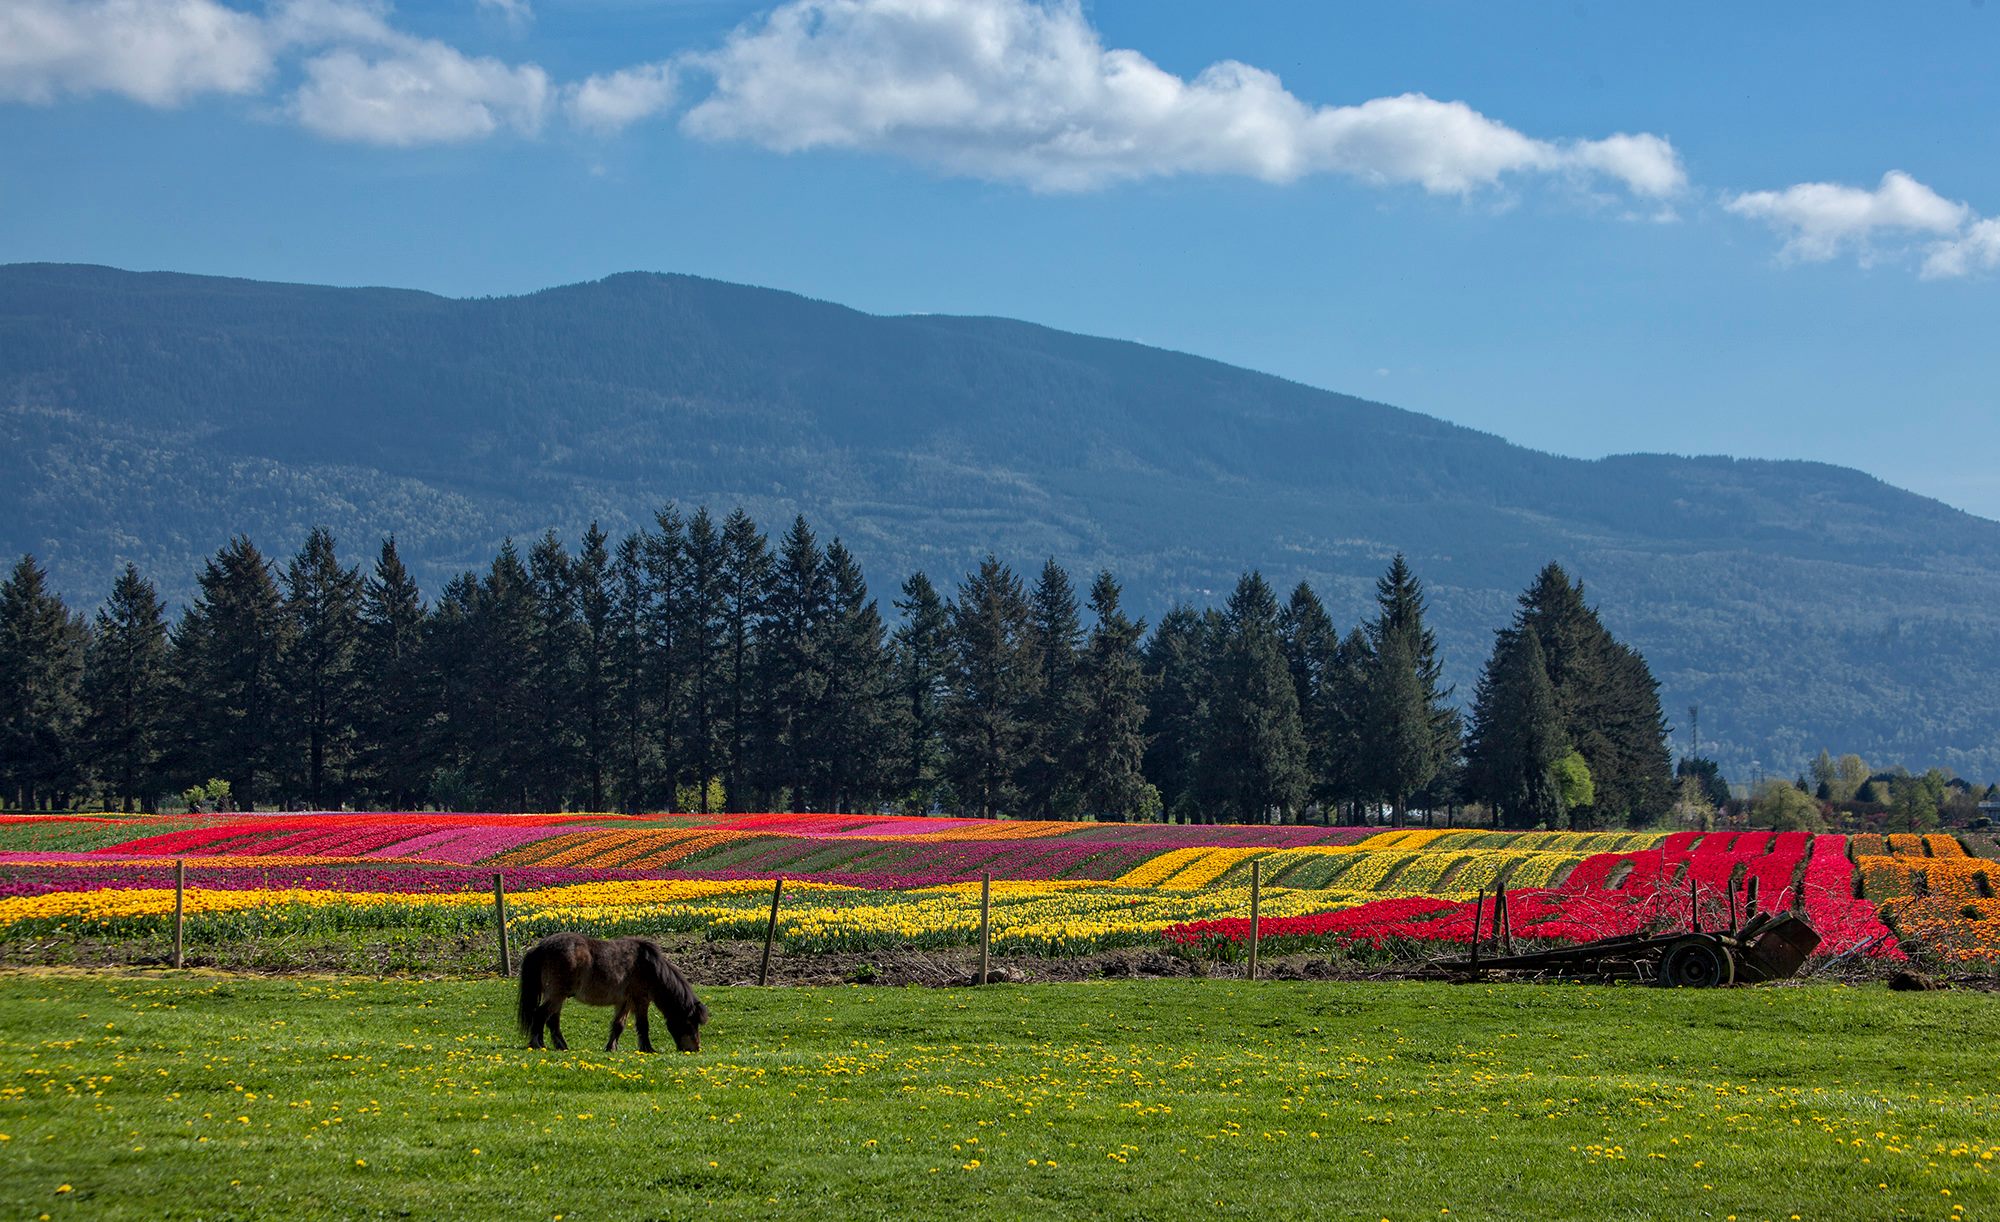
{"points": [[126, 1096]]}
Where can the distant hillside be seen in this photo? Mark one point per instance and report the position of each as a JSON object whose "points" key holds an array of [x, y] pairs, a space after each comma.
{"points": [[147, 417]]}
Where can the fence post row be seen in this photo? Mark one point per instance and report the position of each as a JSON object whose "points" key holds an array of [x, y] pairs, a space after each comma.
{"points": [[180, 906], [500, 917], [770, 933]]}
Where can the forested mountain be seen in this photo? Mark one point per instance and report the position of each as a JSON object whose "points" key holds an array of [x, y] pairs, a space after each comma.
{"points": [[150, 416]]}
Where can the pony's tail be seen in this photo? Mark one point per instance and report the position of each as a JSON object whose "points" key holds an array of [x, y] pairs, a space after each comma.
{"points": [[530, 1003]]}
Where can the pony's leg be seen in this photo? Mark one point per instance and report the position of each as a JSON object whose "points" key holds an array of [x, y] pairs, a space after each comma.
{"points": [[617, 1028], [639, 1021], [535, 1028], [555, 1028]]}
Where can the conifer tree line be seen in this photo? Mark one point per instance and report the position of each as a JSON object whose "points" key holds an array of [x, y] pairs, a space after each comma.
{"points": [[698, 665]]}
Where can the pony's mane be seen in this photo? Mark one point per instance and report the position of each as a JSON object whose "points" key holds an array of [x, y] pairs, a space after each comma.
{"points": [[672, 990]]}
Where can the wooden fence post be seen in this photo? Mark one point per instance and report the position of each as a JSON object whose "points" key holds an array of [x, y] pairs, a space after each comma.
{"points": [[770, 933], [1478, 911], [1256, 897], [180, 905], [985, 925], [500, 917], [1503, 921]]}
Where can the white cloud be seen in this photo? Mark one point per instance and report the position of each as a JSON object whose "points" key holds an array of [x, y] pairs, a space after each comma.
{"points": [[1977, 249], [1025, 91], [159, 52], [422, 92], [613, 100], [518, 14], [1823, 219]]}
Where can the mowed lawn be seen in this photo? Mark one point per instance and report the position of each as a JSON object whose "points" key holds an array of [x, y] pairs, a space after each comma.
{"points": [[211, 1097]]}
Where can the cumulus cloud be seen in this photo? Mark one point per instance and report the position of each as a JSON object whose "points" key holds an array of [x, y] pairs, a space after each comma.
{"points": [[1977, 249], [1025, 91], [424, 92], [1824, 219], [518, 14], [1899, 219], [159, 52], [614, 100]]}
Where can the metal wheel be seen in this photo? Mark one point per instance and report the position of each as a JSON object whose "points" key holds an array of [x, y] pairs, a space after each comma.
{"points": [[1697, 963]]}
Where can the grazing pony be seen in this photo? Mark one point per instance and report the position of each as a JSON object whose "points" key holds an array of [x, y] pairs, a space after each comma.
{"points": [[630, 974]]}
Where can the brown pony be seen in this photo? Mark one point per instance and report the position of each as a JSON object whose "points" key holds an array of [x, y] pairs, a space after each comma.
{"points": [[631, 974]]}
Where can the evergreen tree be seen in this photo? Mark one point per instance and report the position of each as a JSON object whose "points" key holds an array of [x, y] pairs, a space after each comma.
{"points": [[127, 685], [1607, 698], [507, 720], [853, 735], [42, 651], [632, 768], [1108, 762], [794, 673], [1345, 712], [451, 663], [318, 669], [746, 576], [393, 720], [1400, 752], [922, 649], [1310, 645], [596, 662], [554, 669], [1412, 729], [1048, 786], [995, 678], [1253, 765], [1177, 673], [227, 660], [662, 651], [704, 631], [1517, 736]]}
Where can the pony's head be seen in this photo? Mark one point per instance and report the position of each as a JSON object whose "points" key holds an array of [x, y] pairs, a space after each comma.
{"points": [[686, 1025]]}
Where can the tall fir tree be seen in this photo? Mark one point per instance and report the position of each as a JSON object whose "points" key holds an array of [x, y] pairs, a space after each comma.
{"points": [[42, 651], [319, 671], [554, 668], [1254, 765], [394, 719], [1400, 748], [1608, 701], [704, 630], [632, 768], [507, 723], [1517, 736], [1412, 731], [227, 651], [1344, 713], [794, 673], [662, 649], [451, 663], [596, 660], [995, 678], [1048, 787], [854, 732], [127, 686], [921, 646], [746, 576], [1177, 664], [1310, 644], [1107, 762]]}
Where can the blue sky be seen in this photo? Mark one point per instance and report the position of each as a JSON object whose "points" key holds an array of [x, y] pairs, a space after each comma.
{"points": [[1588, 228]]}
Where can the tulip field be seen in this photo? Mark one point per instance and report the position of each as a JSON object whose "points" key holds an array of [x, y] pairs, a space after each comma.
{"points": [[861, 883]]}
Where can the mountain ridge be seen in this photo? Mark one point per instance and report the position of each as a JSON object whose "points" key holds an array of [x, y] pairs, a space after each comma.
{"points": [[1803, 604]]}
